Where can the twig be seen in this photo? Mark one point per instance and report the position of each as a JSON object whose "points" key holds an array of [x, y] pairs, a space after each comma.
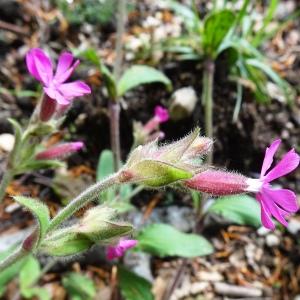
{"points": [[13, 28]]}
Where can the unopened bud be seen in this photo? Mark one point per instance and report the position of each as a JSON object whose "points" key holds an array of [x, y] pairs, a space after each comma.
{"points": [[218, 183], [119, 250], [60, 151], [48, 107]]}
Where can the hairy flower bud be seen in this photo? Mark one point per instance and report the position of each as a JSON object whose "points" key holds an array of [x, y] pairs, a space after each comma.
{"points": [[60, 151], [156, 166], [99, 225], [48, 107], [218, 183]]}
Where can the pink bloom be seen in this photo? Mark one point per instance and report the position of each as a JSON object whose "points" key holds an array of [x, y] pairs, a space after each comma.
{"points": [[161, 115], [40, 67], [119, 250], [277, 203], [59, 151]]}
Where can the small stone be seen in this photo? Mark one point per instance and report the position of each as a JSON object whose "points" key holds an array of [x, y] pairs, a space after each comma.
{"points": [[263, 231], [7, 141], [209, 276], [293, 226], [198, 287], [12, 207], [272, 240]]}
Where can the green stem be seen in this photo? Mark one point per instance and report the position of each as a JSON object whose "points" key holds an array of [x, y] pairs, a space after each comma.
{"points": [[85, 197], [7, 177], [207, 100], [13, 258]]}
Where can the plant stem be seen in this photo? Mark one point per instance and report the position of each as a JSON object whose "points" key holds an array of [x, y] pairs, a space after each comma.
{"points": [[7, 177], [114, 117], [13, 258], [85, 197], [207, 100], [114, 106]]}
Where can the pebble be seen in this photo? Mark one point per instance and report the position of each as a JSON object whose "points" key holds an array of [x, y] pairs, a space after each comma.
{"points": [[209, 276], [263, 231], [293, 227], [272, 240], [7, 141]]}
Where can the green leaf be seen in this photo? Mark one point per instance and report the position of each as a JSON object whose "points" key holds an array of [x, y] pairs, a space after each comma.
{"points": [[156, 173], [39, 210], [240, 209], [138, 75], [30, 272], [18, 141], [134, 287], [165, 240], [105, 165], [9, 273], [216, 27], [105, 168], [79, 286], [28, 277], [39, 164]]}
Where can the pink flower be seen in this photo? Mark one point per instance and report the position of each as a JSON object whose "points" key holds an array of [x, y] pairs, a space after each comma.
{"points": [[277, 203], [40, 67], [119, 250], [161, 115], [59, 151]]}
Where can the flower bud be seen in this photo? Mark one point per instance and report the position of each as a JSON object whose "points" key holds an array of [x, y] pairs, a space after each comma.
{"points": [[161, 115], [218, 183], [97, 226], [48, 107], [60, 151]]}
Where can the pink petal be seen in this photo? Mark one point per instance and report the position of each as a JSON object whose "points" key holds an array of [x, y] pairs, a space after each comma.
{"points": [[161, 113], [62, 77], [270, 151], [288, 163], [265, 215], [283, 197], [39, 65], [272, 208], [57, 96], [74, 89], [64, 63], [127, 244]]}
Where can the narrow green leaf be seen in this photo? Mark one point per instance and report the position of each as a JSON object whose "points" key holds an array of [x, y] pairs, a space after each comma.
{"points": [[216, 27], [240, 209], [138, 75], [165, 240], [18, 140], [134, 287], [79, 286], [39, 210]]}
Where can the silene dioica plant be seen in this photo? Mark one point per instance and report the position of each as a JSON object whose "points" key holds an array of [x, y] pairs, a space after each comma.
{"points": [[150, 165]]}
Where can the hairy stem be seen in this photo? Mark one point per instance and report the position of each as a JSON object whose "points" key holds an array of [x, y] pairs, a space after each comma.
{"points": [[207, 100], [114, 106], [85, 197], [13, 258]]}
